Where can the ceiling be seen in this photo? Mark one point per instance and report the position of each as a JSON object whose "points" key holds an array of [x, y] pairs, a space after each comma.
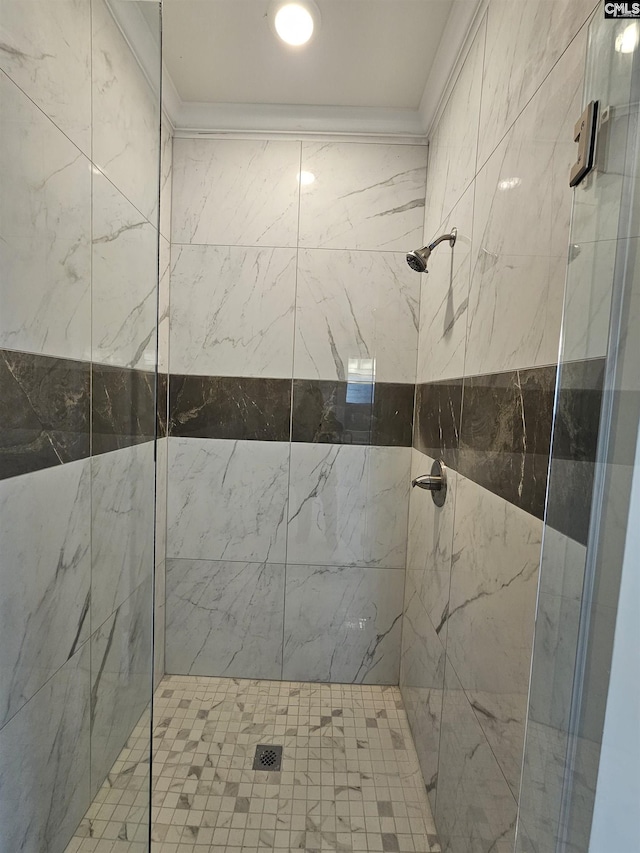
{"points": [[366, 53]]}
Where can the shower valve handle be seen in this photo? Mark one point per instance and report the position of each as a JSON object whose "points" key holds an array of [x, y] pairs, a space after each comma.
{"points": [[435, 482]]}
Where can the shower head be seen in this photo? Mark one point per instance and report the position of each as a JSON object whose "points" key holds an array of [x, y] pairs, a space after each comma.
{"points": [[417, 259]]}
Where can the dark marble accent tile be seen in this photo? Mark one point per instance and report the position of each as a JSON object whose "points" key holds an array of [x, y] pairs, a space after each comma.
{"points": [[334, 412], [229, 407], [437, 420], [163, 400], [506, 433], [574, 449], [392, 415], [123, 407], [44, 414]]}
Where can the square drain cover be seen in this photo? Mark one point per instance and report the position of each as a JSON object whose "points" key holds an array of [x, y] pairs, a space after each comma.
{"points": [[268, 757]]}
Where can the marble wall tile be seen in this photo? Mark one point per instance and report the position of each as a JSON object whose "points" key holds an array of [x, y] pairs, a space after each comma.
{"points": [[126, 116], [229, 407], [363, 196], [44, 760], [494, 576], [506, 433], [122, 527], [164, 279], [120, 679], [429, 545], [521, 229], [124, 280], [225, 618], [575, 443], [422, 681], [162, 456], [338, 413], [348, 505], [342, 624], [45, 253], [166, 176], [524, 41], [235, 192], [46, 569], [44, 421], [123, 405], [159, 625], [475, 809], [34, 52], [244, 322], [445, 298], [453, 145], [227, 499], [355, 306], [585, 329], [437, 420]]}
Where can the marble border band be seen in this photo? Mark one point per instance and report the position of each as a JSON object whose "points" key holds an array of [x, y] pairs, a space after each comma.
{"points": [[58, 410], [300, 410], [45, 412], [496, 430]]}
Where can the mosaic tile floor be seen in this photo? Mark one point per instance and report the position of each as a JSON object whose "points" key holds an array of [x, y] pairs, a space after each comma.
{"points": [[350, 779]]}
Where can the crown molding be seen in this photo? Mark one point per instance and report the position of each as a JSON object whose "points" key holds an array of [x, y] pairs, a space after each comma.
{"points": [[190, 118], [461, 28]]}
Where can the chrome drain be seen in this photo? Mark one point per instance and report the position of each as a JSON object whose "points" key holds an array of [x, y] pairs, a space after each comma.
{"points": [[267, 757]]}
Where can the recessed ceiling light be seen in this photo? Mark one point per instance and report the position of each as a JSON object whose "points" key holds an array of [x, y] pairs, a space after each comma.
{"points": [[305, 179], [294, 22]]}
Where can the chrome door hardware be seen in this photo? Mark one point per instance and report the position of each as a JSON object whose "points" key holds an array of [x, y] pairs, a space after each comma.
{"points": [[584, 133], [435, 482]]}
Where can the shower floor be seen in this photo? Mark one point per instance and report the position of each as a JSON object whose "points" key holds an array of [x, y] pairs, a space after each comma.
{"points": [[350, 779]]}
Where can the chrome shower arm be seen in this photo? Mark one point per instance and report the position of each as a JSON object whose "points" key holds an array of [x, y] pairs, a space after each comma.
{"points": [[451, 237]]}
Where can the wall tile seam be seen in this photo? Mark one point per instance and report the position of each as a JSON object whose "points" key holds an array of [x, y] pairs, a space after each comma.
{"points": [[583, 25], [88, 157], [345, 566], [77, 651], [479, 723]]}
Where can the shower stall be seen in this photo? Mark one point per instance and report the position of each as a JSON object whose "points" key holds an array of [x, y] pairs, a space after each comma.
{"points": [[227, 620]]}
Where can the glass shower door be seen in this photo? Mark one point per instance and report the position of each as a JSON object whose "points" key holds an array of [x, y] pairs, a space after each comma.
{"points": [[79, 186], [596, 422]]}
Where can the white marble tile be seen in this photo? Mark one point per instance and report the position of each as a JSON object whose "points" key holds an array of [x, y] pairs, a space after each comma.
{"points": [[588, 293], [227, 499], [444, 300], [126, 116], [342, 624], [502, 719], [453, 144], [159, 624], [348, 505], [521, 230], [493, 591], [363, 196], [162, 453], [164, 251], [475, 808], [166, 177], [124, 280], [524, 41], [45, 239], [429, 544], [121, 687], [243, 325], [422, 681], [122, 526], [225, 619], [45, 577], [45, 48], [235, 192], [352, 306], [44, 763]]}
